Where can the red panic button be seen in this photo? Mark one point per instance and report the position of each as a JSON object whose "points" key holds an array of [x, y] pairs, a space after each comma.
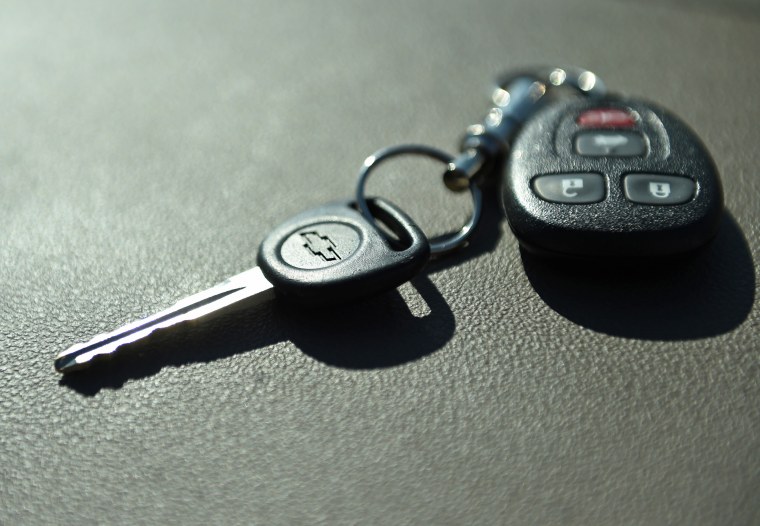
{"points": [[606, 118]]}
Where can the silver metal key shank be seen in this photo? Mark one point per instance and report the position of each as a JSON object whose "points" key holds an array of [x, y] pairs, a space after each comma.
{"points": [[246, 289]]}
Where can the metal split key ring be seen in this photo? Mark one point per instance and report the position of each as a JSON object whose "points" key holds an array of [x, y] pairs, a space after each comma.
{"points": [[440, 244]]}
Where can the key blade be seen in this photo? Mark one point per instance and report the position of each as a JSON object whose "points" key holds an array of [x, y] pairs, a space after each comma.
{"points": [[246, 289]]}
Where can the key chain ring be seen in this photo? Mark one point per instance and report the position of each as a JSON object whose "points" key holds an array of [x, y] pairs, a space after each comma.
{"points": [[439, 244]]}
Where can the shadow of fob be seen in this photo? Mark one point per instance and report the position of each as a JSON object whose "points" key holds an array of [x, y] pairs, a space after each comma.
{"points": [[697, 295]]}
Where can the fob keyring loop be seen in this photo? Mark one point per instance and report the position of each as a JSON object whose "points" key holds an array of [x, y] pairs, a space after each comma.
{"points": [[440, 244]]}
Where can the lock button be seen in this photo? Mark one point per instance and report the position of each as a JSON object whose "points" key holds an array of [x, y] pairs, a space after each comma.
{"points": [[656, 189]]}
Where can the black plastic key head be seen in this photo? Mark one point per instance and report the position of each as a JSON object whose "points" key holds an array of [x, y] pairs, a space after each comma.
{"points": [[610, 177], [334, 254]]}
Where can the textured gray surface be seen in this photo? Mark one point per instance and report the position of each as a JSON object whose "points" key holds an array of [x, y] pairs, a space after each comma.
{"points": [[147, 147]]}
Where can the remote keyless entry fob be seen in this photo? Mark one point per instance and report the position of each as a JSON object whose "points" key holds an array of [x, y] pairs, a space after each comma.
{"points": [[610, 177]]}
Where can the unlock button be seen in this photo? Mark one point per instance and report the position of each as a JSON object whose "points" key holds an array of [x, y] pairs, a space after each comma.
{"points": [[574, 188], [654, 189]]}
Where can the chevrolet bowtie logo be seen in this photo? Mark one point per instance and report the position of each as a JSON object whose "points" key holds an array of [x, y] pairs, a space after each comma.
{"points": [[321, 246]]}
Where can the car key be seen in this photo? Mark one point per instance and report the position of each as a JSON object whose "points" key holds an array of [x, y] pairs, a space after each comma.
{"points": [[610, 177], [600, 176], [323, 256]]}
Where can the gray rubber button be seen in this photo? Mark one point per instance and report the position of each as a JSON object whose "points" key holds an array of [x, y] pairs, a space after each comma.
{"points": [[575, 188], [655, 189], [610, 143]]}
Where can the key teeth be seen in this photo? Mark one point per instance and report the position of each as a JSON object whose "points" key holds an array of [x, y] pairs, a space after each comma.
{"points": [[97, 351], [68, 361], [242, 291]]}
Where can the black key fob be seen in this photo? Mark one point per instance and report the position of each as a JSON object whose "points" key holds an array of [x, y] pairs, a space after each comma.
{"points": [[610, 177]]}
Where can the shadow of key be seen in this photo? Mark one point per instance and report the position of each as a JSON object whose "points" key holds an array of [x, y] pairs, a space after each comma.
{"points": [[380, 331]]}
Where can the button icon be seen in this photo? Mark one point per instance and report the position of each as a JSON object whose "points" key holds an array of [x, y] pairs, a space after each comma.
{"points": [[569, 184], [609, 142], [659, 189]]}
